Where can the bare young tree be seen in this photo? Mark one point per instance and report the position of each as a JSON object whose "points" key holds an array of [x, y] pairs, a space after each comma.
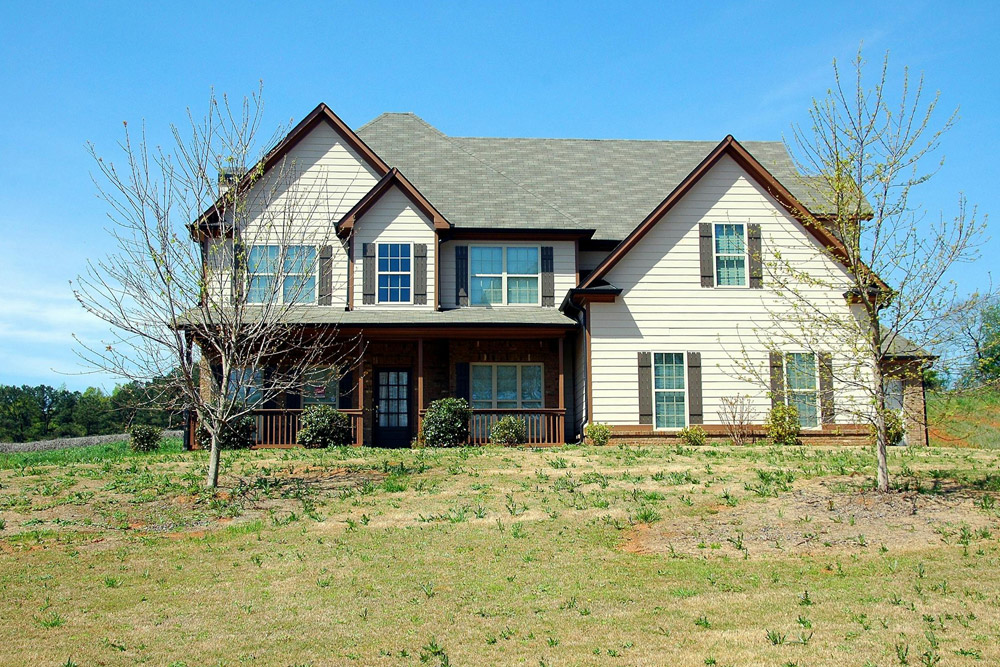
{"points": [[215, 265], [865, 151]]}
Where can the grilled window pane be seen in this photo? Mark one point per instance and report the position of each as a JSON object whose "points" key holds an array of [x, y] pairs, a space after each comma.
{"points": [[485, 260], [522, 260], [522, 290], [486, 291], [669, 409], [668, 371]]}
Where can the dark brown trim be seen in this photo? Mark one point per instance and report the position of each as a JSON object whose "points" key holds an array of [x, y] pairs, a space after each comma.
{"points": [[407, 332], [469, 233], [322, 113], [393, 178], [437, 272], [729, 146]]}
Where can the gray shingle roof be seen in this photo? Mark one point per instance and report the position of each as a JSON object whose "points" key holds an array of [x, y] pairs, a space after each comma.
{"points": [[608, 185]]}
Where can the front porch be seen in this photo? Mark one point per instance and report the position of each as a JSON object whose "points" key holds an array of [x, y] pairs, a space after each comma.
{"points": [[387, 391]]}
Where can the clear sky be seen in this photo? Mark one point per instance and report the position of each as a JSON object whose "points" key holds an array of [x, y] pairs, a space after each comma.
{"points": [[72, 72]]}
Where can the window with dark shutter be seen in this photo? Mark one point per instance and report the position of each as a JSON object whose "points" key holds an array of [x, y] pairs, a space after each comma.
{"points": [[462, 275], [548, 277], [756, 259]]}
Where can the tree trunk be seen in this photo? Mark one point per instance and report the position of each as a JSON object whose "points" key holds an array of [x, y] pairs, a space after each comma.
{"points": [[881, 434], [212, 481]]}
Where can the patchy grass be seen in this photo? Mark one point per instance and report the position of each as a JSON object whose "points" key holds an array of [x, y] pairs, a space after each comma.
{"points": [[108, 452], [964, 419], [616, 555]]}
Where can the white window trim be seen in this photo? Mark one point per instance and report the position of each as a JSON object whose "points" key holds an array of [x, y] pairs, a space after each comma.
{"points": [[379, 273], [788, 389], [280, 288], [653, 389], [493, 391], [504, 274], [746, 256]]}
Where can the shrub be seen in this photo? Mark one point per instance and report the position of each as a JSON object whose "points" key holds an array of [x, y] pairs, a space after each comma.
{"points": [[782, 425], [324, 426], [237, 434], [597, 434], [446, 423], [143, 438], [737, 415], [895, 430], [509, 430], [694, 436]]}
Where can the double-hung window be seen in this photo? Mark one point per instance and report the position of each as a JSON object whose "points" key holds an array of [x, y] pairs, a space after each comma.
{"points": [[395, 273], [245, 386], [281, 277], [500, 275], [506, 386], [801, 388], [730, 245], [669, 398]]}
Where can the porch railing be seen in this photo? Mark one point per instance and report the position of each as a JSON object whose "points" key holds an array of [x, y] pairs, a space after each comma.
{"points": [[280, 428], [542, 426]]}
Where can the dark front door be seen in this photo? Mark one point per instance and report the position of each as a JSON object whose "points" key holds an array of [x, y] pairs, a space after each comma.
{"points": [[392, 407]]}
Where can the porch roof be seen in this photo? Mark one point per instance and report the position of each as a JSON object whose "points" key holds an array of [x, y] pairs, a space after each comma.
{"points": [[522, 316]]}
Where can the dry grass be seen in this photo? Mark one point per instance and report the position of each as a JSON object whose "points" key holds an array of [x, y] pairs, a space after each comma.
{"points": [[496, 556]]}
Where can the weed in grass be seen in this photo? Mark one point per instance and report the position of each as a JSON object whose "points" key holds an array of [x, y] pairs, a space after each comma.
{"points": [[111, 582], [805, 600], [775, 637], [646, 514], [51, 620], [703, 622], [902, 652], [434, 653], [517, 530]]}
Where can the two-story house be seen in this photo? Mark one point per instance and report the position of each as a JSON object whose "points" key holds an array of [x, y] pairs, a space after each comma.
{"points": [[565, 281]]}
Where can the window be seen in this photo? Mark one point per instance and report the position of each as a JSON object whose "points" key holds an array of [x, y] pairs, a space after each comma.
{"points": [[506, 386], [245, 385], [322, 385], [669, 401], [394, 273], [730, 255], [801, 390], [503, 275], [296, 272]]}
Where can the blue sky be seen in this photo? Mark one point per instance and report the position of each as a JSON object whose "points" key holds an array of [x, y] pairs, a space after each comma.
{"points": [[72, 72]]}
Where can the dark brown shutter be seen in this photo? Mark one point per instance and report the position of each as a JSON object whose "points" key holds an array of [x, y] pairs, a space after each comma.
{"points": [[368, 273], [548, 277], [345, 391], [239, 277], [706, 254], [777, 380], [420, 273], [696, 411], [462, 275], [756, 260], [326, 275], [462, 389], [645, 388], [826, 387]]}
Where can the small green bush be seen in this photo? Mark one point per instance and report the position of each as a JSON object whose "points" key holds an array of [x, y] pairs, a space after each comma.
{"points": [[597, 434], [446, 423], [143, 438], [324, 426], [237, 434], [693, 436], [783, 425], [895, 430], [509, 430]]}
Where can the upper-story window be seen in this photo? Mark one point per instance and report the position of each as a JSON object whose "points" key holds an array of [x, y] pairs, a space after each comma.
{"points": [[730, 255], [500, 275], [802, 386], [395, 273], [295, 269]]}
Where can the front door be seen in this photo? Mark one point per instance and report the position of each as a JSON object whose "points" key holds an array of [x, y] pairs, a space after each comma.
{"points": [[392, 407]]}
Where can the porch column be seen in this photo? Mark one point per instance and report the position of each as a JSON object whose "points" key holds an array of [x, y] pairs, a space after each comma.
{"points": [[420, 380], [359, 435], [561, 421]]}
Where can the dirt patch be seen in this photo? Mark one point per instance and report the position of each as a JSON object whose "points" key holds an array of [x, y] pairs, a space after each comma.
{"points": [[815, 519]]}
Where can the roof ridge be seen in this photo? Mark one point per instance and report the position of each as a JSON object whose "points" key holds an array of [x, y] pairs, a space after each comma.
{"points": [[612, 140]]}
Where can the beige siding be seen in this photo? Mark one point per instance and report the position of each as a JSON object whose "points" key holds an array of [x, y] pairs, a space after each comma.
{"points": [[563, 266], [392, 219], [664, 308], [300, 200], [590, 259]]}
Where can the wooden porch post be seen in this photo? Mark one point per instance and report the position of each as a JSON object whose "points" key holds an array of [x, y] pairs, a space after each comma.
{"points": [[420, 380], [359, 436], [560, 435]]}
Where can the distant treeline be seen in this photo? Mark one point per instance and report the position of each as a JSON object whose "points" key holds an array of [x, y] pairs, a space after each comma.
{"points": [[44, 412]]}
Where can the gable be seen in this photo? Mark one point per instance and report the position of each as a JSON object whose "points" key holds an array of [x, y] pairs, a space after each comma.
{"points": [[728, 148]]}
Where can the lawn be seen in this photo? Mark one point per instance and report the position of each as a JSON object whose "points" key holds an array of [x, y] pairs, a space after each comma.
{"points": [[964, 418], [578, 555]]}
